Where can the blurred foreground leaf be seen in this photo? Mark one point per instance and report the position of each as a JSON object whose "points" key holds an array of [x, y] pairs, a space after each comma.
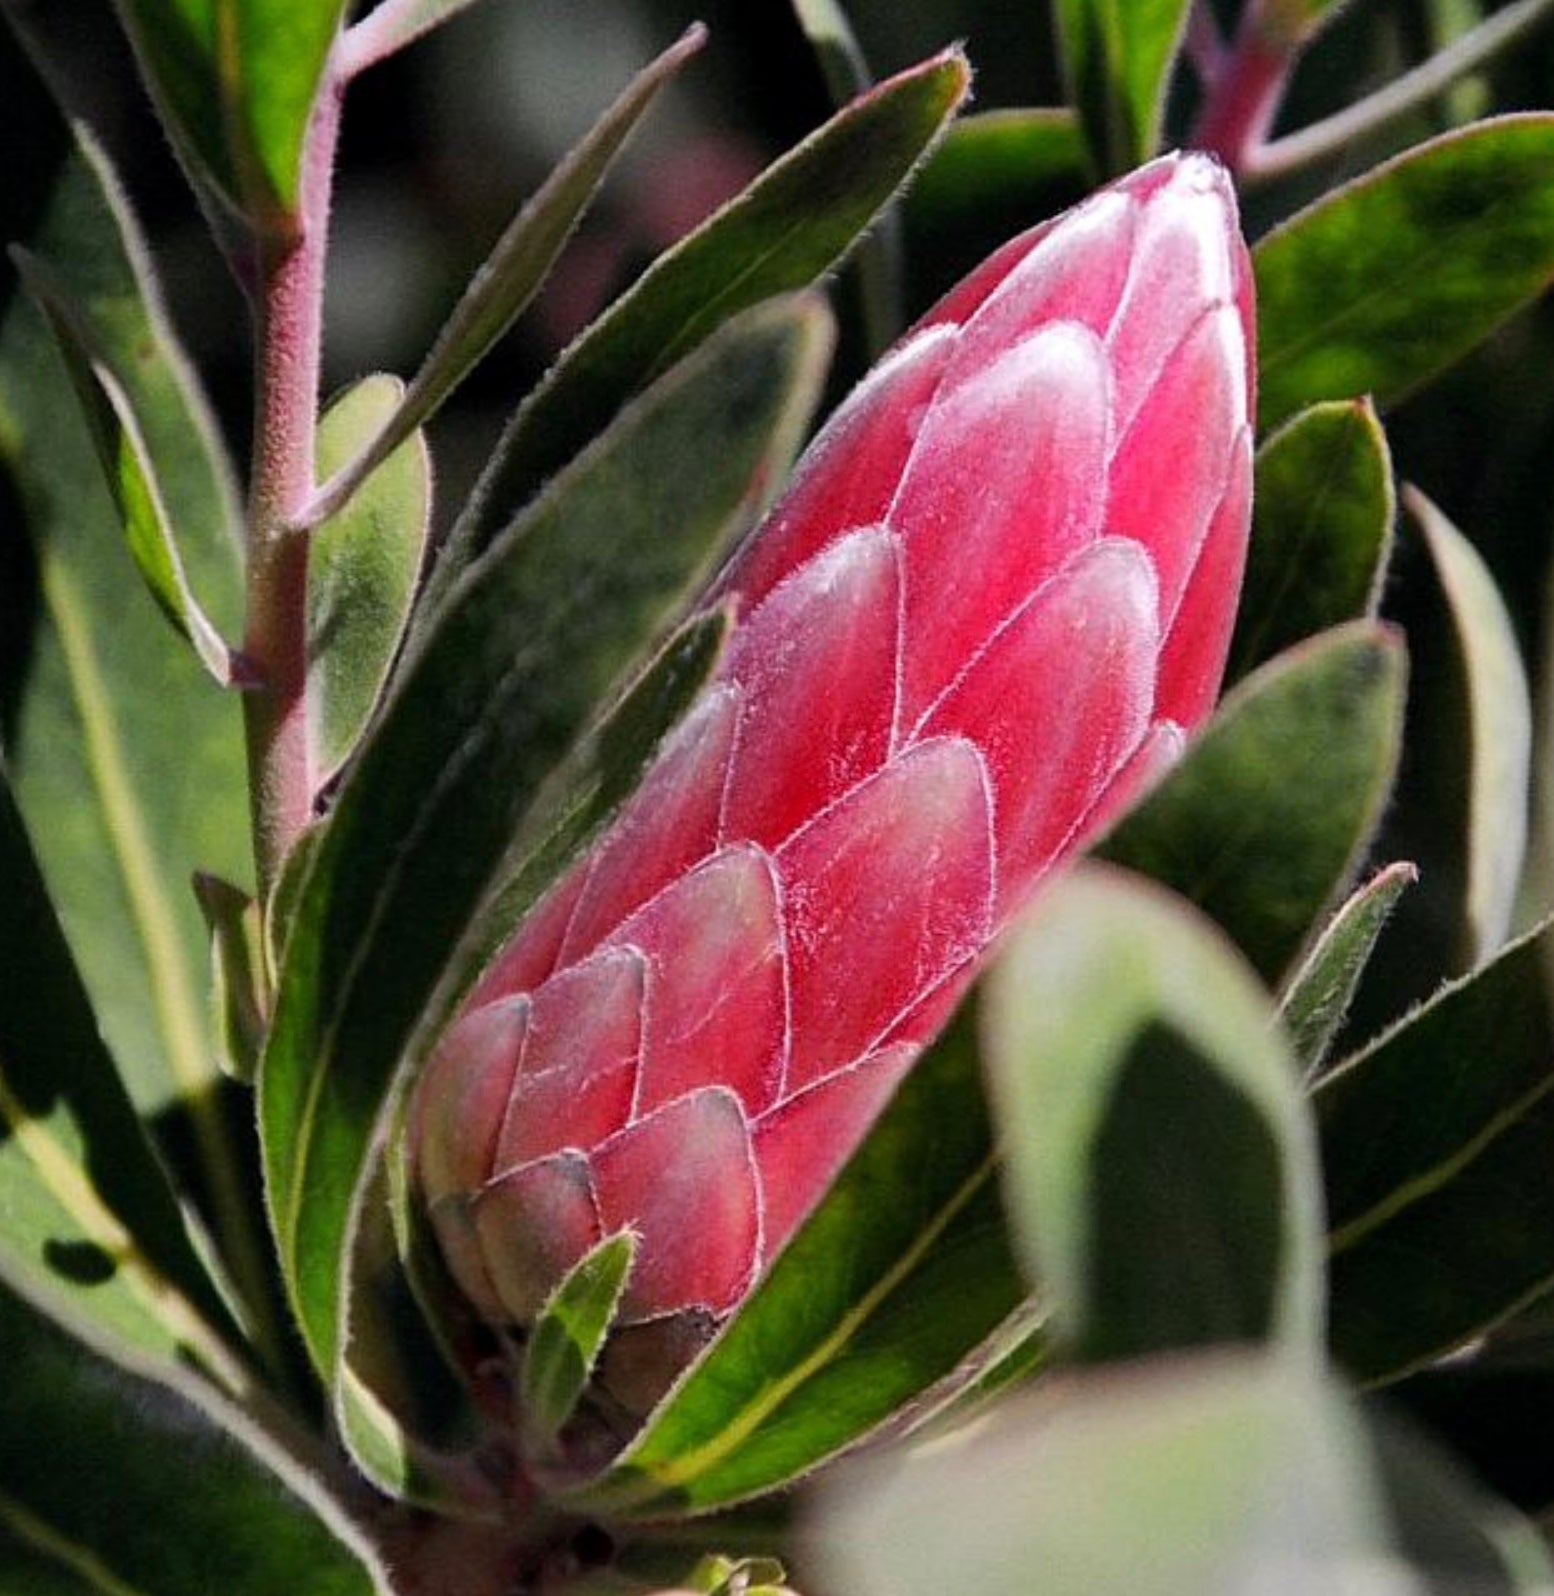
{"points": [[1111, 1013]]}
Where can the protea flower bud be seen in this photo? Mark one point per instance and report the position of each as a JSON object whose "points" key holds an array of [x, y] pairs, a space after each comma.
{"points": [[996, 595]]}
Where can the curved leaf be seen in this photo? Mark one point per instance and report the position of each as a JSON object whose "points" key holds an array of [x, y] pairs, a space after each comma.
{"points": [[1321, 530], [1252, 828], [128, 470], [153, 1484], [1384, 282], [883, 1291], [390, 25], [1113, 1011], [790, 226], [1317, 995], [362, 571], [1498, 710], [506, 679], [1437, 1140], [511, 276]]}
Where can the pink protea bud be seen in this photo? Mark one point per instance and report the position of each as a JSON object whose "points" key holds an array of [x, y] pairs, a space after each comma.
{"points": [[997, 594]]}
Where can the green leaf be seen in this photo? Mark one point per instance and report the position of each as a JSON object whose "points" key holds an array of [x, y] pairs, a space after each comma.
{"points": [[92, 1226], [1253, 829], [788, 228], [128, 470], [130, 1483], [1437, 1140], [564, 1344], [362, 570], [126, 762], [1117, 58], [1386, 281], [401, 1408], [1321, 530], [239, 989], [1215, 1473], [511, 276], [505, 680], [1317, 995], [836, 47], [887, 1287], [1497, 707], [1000, 157], [1112, 1011], [236, 83]]}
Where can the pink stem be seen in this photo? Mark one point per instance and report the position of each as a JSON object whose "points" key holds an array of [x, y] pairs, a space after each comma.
{"points": [[1244, 96], [290, 335]]}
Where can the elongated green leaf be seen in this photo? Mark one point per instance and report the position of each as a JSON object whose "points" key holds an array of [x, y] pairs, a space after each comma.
{"points": [[239, 992], [236, 82], [564, 1344], [782, 233], [1214, 1474], [137, 1484], [362, 571], [1009, 158], [883, 1291], [513, 671], [836, 47], [1437, 1140], [1316, 997], [91, 1225], [125, 760], [402, 1410], [1381, 284], [1111, 1012], [1250, 826], [127, 467], [1321, 530], [511, 276], [1498, 707], [1117, 56]]}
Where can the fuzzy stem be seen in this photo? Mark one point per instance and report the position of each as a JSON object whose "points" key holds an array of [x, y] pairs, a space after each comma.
{"points": [[290, 335], [1244, 94], [1402, 97]]}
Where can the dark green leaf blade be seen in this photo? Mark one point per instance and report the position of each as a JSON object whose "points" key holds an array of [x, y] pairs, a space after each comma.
{"points": [[92, 1225], [511, 276], [1388, 280], [1437, 1140], [1317, 995], [883, 1291], [136, 1483], [781, 234], [363, 566], [1117, 57], [1111, 1011], [1321, 530], [1251, 828], [486, 707], [564, 1344], [236, 86]]}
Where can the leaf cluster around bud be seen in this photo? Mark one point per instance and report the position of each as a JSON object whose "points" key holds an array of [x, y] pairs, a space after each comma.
{"points": [[1249, 1112]]}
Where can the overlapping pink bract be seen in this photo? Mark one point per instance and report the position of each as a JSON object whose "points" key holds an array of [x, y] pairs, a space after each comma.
{"points": [[998, 591]]}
